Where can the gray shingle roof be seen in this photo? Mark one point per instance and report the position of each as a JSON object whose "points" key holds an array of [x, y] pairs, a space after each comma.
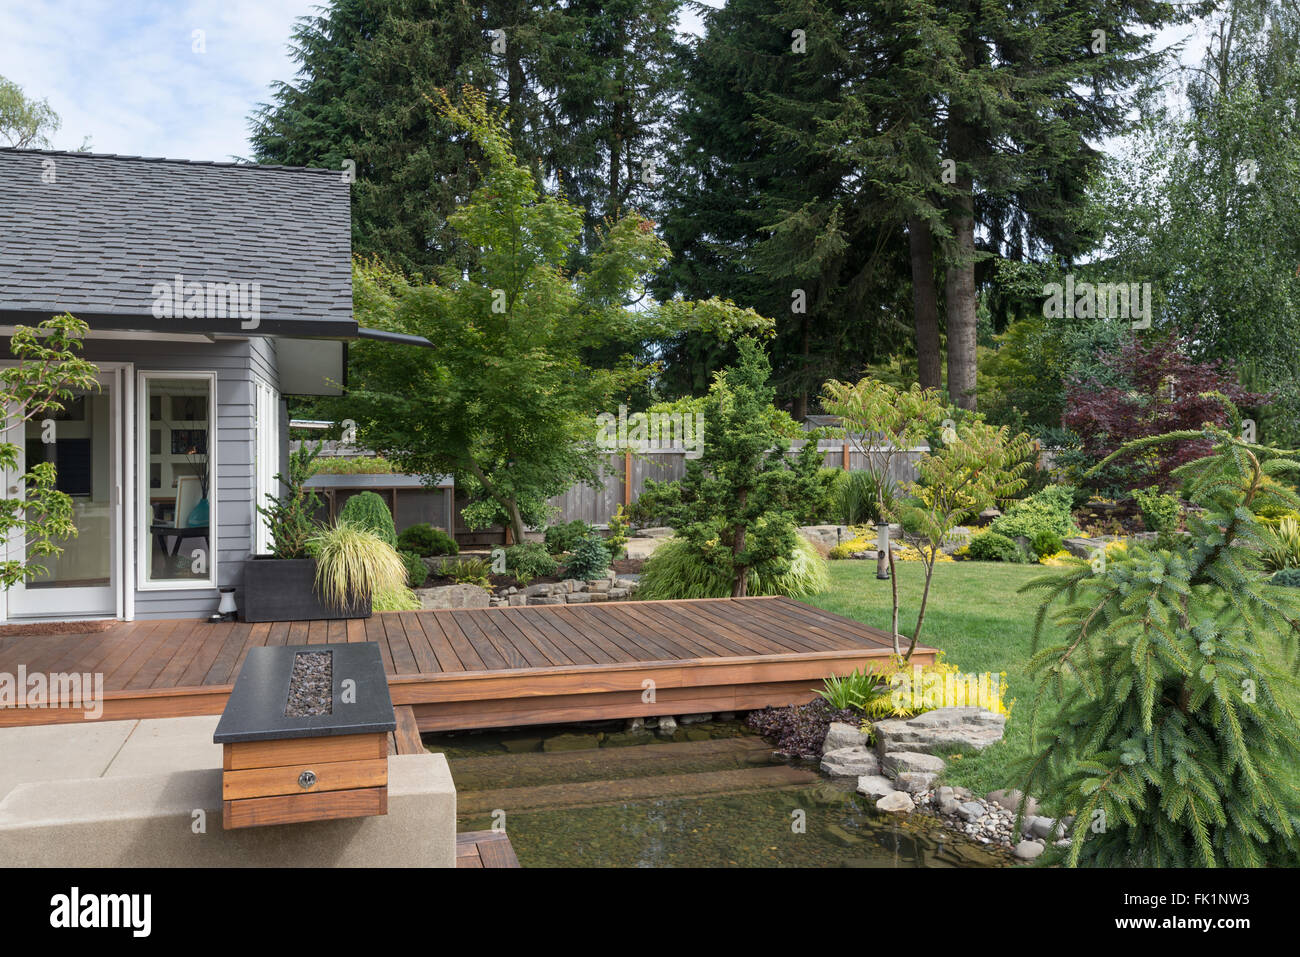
{"points": [[96, 237]]}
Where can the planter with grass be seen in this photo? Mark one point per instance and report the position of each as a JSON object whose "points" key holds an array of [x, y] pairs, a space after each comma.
{"points": [[319, 572]]}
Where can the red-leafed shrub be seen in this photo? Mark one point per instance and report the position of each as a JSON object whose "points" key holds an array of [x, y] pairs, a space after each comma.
{"points": [[1150, 387]]}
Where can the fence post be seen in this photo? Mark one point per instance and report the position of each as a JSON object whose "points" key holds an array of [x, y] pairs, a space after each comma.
{"points": [[844, 456], [627, 478]]}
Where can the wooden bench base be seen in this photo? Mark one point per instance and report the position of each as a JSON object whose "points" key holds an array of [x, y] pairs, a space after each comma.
{"points": [[292, 780]]}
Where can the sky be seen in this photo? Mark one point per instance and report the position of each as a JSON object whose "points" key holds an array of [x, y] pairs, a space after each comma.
{"points": [[135, 78], [127, 74]]}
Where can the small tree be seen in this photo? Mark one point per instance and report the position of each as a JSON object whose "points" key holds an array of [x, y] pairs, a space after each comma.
{"points": [[1150, 387], [1172, 746], [291, 517], [883, 423], [508, 398], [974, 467], [735, 507], [49, 373]]}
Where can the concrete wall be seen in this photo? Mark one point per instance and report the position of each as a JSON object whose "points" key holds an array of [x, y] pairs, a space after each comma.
{"points": [[149, 821]]}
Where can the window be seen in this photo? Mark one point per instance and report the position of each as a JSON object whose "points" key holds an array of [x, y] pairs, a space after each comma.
{"points": [[177, 477]]}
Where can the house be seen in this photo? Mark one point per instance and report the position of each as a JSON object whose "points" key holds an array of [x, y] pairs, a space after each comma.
{"points": [[212, 291]]}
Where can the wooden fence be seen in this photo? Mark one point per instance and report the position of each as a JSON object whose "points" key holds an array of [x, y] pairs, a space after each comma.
{"points": [[598, 505], [624, 475]]}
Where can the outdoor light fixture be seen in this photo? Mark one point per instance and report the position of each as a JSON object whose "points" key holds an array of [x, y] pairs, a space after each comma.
{"points": [[227, 609]]}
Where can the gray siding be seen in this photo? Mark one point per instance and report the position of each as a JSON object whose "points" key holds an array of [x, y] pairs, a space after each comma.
{"points": [[234, 362]]}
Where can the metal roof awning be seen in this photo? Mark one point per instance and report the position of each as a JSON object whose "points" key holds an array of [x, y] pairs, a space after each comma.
{"points": [[401, 338]]}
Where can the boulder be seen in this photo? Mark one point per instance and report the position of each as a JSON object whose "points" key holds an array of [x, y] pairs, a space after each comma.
{"points": [[850, 762], [939, 731], [899, 802], [577, 598], [454, 596], [875, 786], [599, 584], [899, 762], [915, 782], [655, 531], [827, 536], [667, 725], [1027, 850], [843, 735], [695, 718], [971, 810], [1011, 801], [1044, 828]]}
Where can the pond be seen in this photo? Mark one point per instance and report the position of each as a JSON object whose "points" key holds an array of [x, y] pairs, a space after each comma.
{"points": [[712, 795]]}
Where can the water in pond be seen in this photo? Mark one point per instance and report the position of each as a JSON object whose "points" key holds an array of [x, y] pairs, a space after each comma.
{"points": [[712, 795]]}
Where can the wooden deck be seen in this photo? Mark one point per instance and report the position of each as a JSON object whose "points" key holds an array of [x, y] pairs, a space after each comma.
{"points": [[487, 668], [485, 849]]}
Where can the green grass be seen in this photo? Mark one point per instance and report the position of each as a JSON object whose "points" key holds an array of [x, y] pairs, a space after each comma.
{"points": [[975, 615], [978, 619]]}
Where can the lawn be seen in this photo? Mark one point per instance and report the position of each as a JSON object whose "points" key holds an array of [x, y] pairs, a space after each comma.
{"points": [[976, 616], [982, 623]]}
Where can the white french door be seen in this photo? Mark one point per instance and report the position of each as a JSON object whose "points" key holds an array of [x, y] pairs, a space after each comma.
{"points": [[85, 444]]}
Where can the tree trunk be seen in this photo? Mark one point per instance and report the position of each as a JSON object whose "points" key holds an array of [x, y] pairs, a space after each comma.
{"points": [[959, 288], [925, 304], [516, 522], [739, 584]]}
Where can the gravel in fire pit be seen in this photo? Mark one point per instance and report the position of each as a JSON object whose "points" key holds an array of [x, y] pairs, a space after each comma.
{"points": [[311, 685]]}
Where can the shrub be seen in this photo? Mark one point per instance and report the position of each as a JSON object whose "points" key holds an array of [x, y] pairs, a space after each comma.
{"points": [[367, 510], [467, 571], [992, 547], [530, 560], [1159, 512], [354, 564], [853, 690], [1129, 397], [941, 684], [589, 558], [360, 465], [858, 543], [1144, 724], [1281, 547], [857, 498], [289, 517], [675, 570], [1289, 577], [1045, 511], [799, 730], [424, 539], [1046, 544], [619, 529], [416, 570], [564, 537]]}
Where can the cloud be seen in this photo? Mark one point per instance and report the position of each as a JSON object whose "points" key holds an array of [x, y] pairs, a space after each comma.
{"points": [[132, 81]]}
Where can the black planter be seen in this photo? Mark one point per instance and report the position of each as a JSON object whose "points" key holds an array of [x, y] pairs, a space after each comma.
{"points": [[283, 589]]}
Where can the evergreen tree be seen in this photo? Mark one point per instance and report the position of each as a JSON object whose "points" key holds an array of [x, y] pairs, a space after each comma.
{"points": [[735, 508], [584, 91], [754, 214], [1173, 746]]}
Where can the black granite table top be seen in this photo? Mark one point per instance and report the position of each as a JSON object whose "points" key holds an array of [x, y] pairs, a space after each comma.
{"points": [[255, 711]]}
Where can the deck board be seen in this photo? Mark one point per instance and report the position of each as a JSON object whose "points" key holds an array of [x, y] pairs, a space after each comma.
{"points": [[480, 849], [473, 668]]}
